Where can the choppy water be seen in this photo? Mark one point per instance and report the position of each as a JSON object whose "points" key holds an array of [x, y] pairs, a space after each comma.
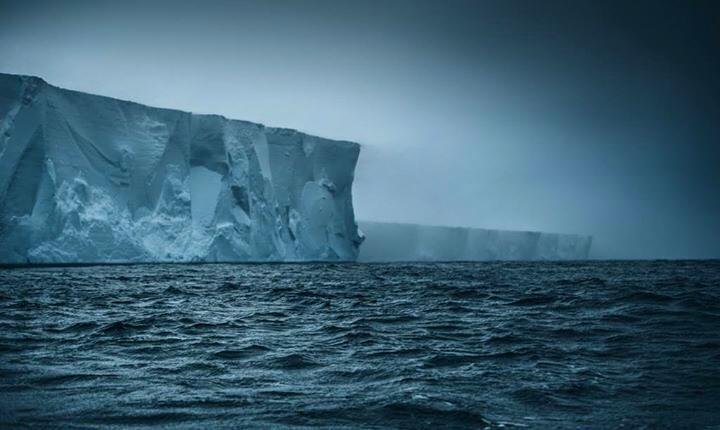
{"points": [[600, 344]]}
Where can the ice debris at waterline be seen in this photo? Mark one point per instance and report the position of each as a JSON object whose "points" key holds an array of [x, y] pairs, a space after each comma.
{"points": [[86, 178], [412, 242]]}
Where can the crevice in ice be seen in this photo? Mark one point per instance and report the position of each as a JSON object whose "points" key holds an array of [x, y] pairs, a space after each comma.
{"points": [[204, 192], [25, 180], [241, 197], [103, 163]]}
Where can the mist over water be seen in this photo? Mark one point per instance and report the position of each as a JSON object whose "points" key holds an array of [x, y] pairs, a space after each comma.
{"points": [[570, 116]]}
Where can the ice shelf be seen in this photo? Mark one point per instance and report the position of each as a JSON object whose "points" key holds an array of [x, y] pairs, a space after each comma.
{"points": [[86, 178], [412, 242]]}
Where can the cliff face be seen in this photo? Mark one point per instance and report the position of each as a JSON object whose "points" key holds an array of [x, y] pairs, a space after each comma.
{"points": [[412, 242], [85, 178]]}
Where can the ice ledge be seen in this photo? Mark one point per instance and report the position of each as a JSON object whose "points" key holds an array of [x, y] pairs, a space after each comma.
{"points": [[414, 242]]}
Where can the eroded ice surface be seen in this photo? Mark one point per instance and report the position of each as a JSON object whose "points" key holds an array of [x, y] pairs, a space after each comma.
{"points": [[413, 242], [85, 178]]}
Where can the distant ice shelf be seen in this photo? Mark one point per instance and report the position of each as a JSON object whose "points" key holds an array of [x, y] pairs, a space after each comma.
{"points": [[86, 178], [412, 242]]}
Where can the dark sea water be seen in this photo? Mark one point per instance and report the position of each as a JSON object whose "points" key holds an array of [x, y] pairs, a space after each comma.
{"points": [[472, 345]]}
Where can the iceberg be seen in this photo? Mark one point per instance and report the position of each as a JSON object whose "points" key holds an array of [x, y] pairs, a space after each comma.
{"points": [[86, 178], [412, 242]]}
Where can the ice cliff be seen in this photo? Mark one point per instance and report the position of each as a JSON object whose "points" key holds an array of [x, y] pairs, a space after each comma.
{"points": [[412, 242], [85, 178]]}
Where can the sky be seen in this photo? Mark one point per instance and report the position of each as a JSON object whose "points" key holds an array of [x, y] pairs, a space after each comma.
{"points": [[598, 118]]}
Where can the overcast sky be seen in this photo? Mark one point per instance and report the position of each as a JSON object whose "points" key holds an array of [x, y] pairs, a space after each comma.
{"points": [[598, 118]]}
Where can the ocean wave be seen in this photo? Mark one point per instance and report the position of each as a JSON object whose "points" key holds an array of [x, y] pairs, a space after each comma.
{"points": [[451, 345]]}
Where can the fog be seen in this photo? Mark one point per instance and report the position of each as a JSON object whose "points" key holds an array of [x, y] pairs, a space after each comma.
{"points": [[597, 118]]}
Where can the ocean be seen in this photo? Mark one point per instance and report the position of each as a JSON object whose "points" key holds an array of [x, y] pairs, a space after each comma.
{"points": [[631, 344]]}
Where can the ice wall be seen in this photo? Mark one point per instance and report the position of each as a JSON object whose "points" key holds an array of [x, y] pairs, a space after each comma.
{"points": [[412, 242], [85, 178]]}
